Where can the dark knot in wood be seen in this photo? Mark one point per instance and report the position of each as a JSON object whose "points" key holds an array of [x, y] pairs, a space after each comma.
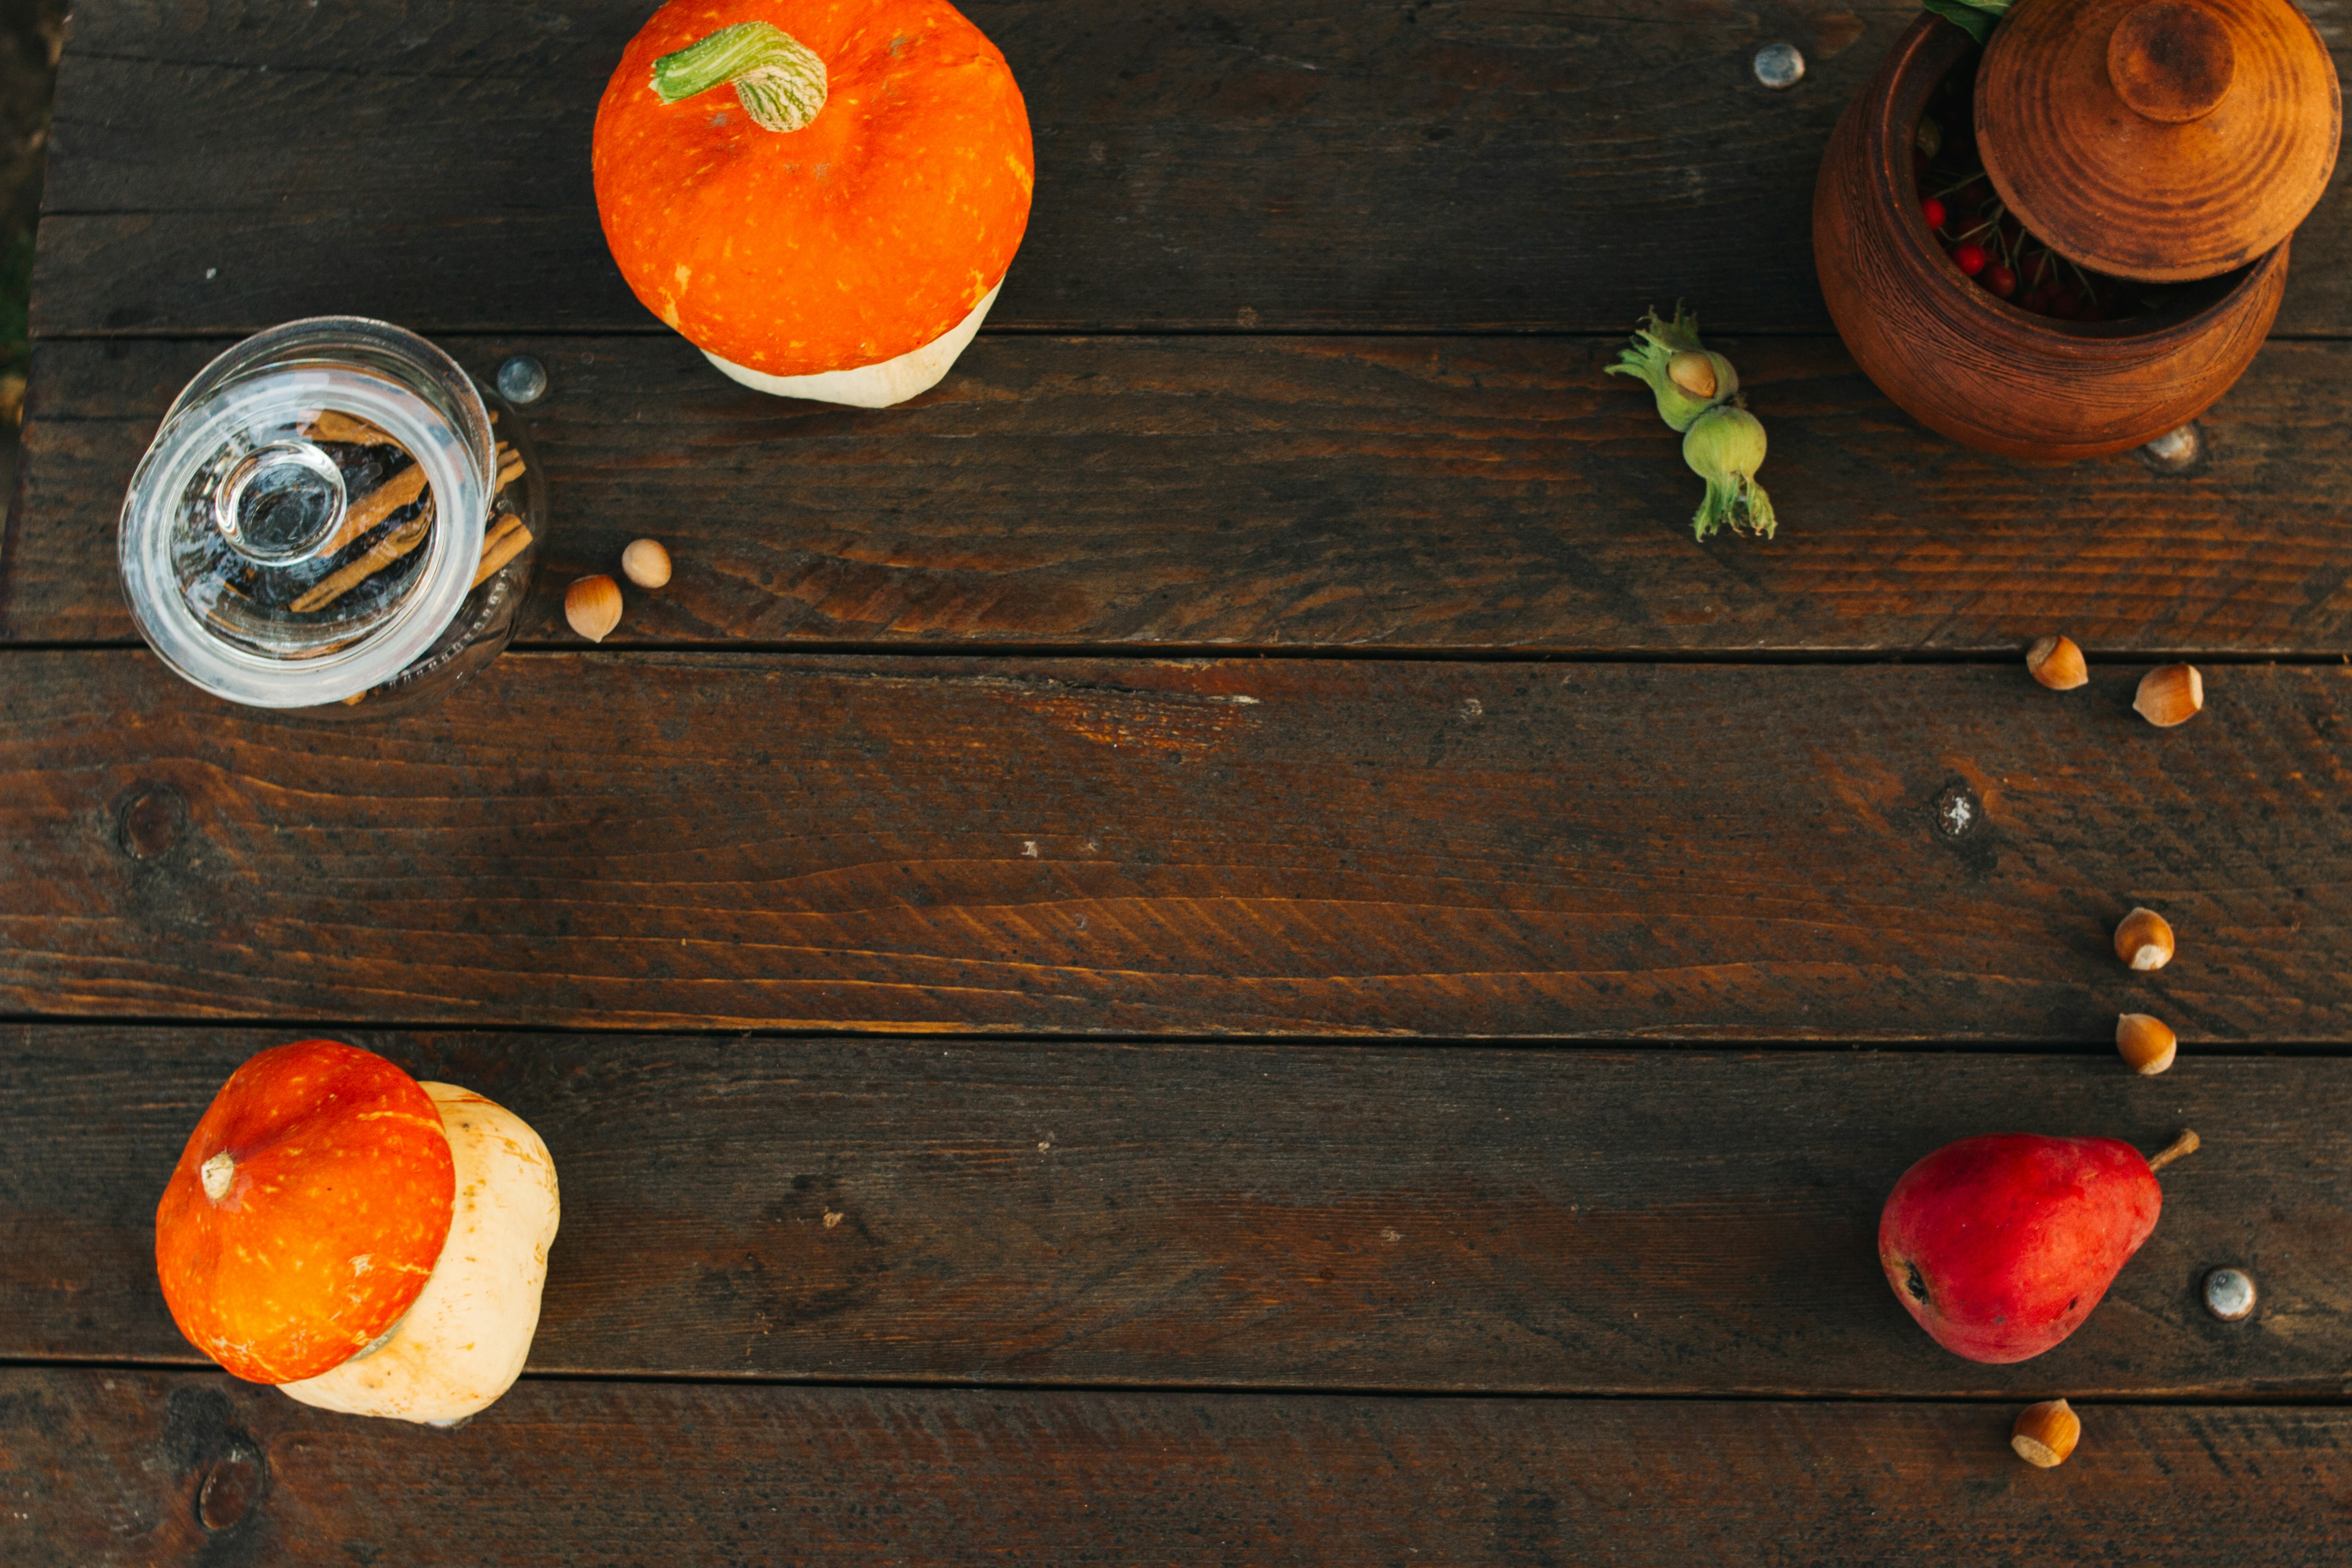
{"points": [[230, 1489], [152, 820]]}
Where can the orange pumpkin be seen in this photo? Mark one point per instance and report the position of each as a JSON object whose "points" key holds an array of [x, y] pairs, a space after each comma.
{"points": [[307, 1211], [880, 222]]}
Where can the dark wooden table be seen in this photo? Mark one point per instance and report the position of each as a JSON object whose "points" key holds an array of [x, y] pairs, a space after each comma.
{"points": [[1220, 942]]}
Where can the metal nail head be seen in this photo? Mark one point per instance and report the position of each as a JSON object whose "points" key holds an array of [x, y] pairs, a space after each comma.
{"points": [[1779, 66], [2174, 450], [2230, 1295], [522, 379]]}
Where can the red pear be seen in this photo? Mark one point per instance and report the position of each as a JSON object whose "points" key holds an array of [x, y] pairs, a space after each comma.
{"points": [[2001, 1246]]}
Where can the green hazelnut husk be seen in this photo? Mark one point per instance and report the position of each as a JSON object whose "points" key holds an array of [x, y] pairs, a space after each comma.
{"points": [[1683, 376], [1725, 446]]}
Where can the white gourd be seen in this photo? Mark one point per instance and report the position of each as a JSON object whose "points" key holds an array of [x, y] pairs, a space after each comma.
{"points": [[464, 1342], [879, 385]]}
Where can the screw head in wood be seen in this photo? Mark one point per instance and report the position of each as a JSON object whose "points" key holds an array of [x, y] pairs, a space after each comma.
{"points": [[1779, 66], [522, 379], [2230, 1295], [2176, 451]]}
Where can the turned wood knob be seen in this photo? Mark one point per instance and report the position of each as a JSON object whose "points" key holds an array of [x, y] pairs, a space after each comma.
{"points": [[2171, 61]]}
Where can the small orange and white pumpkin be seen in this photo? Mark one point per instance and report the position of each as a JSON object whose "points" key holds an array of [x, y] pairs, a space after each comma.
{"points": [[368, 1243], [822, 195]]}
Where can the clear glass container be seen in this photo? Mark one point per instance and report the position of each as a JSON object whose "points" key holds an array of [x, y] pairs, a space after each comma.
{"points": [[333, 517]]}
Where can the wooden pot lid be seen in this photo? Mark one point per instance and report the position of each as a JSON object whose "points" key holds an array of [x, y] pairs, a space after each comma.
{"points": [[2160, 139]]}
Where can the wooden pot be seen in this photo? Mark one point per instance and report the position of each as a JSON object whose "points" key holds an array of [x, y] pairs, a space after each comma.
{"points": [[1976, 368]]}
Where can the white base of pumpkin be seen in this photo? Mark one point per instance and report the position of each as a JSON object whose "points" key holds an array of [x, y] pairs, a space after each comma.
{"points": [[464, 1340], [878, 385]]}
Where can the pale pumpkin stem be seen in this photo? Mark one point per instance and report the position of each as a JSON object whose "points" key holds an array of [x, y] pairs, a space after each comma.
{"points": [[779, 80], [2184, 1144], [217, 1173]]}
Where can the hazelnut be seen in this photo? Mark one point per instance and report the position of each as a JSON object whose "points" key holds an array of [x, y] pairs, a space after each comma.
{"points": [[2147, 1045], [2046, 1433], [593, 605], [646, 564], [2171, 694], [1693, 370], [2143, 940], [2057, 663]]}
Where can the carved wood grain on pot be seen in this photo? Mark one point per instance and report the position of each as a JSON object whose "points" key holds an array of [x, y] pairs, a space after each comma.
{"points": [[1973, 366]]}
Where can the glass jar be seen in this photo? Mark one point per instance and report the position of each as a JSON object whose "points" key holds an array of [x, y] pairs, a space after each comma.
{"points": [[333, 517]]}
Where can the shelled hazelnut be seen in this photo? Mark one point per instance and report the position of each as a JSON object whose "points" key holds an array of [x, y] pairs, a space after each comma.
{"points": [[2144, 940], [593, 605], [2046, 1433], [2147, 1044], [2057, 663], [2171, 694], [646, 564]]}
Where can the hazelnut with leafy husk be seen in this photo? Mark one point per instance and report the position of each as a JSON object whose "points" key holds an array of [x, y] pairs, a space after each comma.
{"points": [[1685, 378], [1725, 446], [1698, 395]]}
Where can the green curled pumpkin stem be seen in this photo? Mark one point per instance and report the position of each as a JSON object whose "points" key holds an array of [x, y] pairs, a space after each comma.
{"points": [[779, 80]]}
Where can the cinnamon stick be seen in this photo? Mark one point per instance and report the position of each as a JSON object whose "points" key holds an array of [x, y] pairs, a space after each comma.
{"points": [[333, 425], [379, 503], [377, 556], [503, 545]]}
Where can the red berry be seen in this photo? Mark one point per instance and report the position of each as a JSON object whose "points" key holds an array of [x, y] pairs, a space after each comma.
{"points": [[2000, 280], [2039, 300], [1975, 193], [2091, 312], [1933, 211], [1968, 256], [2066, 307]]}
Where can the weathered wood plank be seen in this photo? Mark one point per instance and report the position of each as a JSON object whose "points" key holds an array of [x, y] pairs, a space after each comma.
{"points": [[110, 1468], [1222, 164], [1694, 852], [1200, 165], [1221, 1215], [1410, 493]]}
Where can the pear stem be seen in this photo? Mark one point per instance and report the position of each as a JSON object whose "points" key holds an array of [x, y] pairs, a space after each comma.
{"points": [[2184, 1144]]}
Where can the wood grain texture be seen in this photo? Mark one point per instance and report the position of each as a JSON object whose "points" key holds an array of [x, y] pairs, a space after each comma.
{"points": [[1417, 493], [1690, 852], [1224, 165], [1232, 165], [1431, 1218], [108, 1468]]}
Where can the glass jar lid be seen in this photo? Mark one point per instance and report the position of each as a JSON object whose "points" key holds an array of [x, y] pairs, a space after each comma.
{"points": [[309, 517]]}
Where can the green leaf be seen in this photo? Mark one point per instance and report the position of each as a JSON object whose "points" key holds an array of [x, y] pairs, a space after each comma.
{"points": [[1976, 21]]}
